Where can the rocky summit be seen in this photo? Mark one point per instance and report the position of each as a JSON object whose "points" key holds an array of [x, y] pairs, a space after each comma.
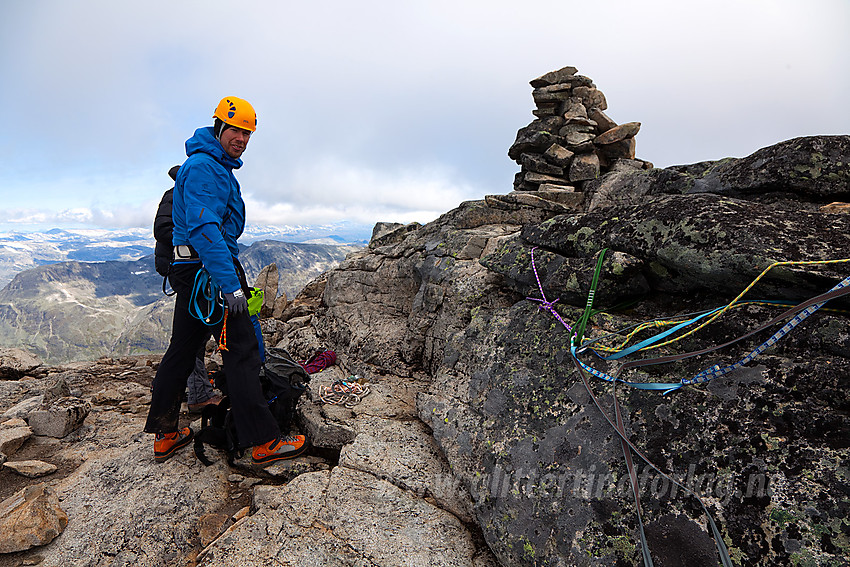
{"points": [[610, 363]]}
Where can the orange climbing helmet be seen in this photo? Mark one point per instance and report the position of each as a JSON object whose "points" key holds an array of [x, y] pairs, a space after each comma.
{"points": [[236, 112]]}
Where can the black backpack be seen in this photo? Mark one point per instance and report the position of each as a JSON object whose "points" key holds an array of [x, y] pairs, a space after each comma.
{"points": [[283, 381], [162, 229]]}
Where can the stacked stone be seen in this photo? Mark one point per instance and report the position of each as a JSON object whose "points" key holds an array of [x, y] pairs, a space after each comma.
{"points": [[572, 140]]}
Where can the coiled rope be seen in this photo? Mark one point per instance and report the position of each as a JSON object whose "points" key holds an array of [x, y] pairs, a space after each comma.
{"points": [[204, 289], [346, 393]]}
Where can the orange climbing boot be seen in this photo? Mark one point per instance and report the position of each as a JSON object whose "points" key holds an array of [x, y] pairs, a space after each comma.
{"points": [[279, 449], [167, 444]]}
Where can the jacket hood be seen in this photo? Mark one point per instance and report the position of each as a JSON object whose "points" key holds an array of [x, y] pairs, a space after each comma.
{"points": [[204, 141]]}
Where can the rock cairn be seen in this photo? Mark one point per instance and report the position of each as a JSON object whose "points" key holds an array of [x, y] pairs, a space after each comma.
{"points": [[572, 140]]}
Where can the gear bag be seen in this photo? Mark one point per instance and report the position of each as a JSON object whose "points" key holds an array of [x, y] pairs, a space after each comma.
{"points": [[283, 381]]}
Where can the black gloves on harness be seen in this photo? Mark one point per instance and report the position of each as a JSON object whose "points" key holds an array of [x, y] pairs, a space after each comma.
{"points": [[236, 302]]}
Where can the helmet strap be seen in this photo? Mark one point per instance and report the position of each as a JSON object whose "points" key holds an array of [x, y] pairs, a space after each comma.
{"points": [[219, 126]]}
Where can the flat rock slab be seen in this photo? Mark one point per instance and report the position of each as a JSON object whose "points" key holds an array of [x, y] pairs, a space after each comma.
{"points": [[15, 362], [344, 517], [13, 434], [405, 453], [31, 469]]}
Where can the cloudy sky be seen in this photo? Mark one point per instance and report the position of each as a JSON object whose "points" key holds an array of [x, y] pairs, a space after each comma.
{"points": [[384, 110]]}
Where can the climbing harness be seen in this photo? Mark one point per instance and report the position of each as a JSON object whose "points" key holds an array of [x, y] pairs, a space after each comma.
{"points": [[346, 393]]}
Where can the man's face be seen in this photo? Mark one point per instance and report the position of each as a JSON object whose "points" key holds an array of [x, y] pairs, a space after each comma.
{"points": [[234, 141]]}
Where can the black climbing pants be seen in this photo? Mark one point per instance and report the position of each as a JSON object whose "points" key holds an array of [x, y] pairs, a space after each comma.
{"points": [[252, 419]]}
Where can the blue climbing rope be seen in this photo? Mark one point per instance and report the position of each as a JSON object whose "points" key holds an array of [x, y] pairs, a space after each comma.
{"points": [[206, 290]]}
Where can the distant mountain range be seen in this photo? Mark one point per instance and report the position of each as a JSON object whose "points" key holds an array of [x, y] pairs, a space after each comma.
{"points": [[21, 250], [74, 310]]}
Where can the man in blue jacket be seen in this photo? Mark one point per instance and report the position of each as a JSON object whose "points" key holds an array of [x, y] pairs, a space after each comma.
{"points": [[209, 216]]}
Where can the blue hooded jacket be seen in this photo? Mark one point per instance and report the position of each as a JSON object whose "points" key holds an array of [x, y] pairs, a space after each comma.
{"points": [[208, 211]]}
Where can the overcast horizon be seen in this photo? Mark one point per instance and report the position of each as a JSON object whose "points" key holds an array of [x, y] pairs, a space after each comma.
{"points": [[381, 111]]}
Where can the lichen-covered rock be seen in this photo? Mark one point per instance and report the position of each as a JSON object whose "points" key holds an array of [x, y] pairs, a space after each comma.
{"points": [[815, 167], [547, 474], [802, 173], [567, 279], [764, 446], [693, 242]]}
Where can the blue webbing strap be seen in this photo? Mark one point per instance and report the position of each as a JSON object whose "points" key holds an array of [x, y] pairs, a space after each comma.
{"points": [[839, 290], [658, 337], [718, 537], [715, 371], [609, 378]]}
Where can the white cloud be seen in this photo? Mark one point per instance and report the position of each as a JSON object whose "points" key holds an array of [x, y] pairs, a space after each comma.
{"points": [[380, 110], [330, 190], [122, 217]]}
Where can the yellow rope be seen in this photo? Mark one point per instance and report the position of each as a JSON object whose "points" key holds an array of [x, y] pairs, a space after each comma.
{"points": [[733, 303]]}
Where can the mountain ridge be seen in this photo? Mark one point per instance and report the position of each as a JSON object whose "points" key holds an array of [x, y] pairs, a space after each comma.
{"points": [[69, 311], [21, 250]]}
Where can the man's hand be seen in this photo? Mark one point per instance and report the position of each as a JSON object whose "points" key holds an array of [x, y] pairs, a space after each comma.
{"points": [[236, 302]]}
